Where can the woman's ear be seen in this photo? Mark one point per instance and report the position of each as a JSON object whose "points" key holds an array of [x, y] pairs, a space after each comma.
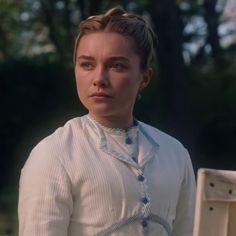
{"points": [[147, 75]]}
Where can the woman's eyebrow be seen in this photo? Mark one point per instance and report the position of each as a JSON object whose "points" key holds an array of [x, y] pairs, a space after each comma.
{"points": [[85, 57], [119, 58], [113, 58]]}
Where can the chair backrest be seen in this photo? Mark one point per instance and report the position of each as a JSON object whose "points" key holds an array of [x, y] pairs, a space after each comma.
{"points": [[215, 213]]}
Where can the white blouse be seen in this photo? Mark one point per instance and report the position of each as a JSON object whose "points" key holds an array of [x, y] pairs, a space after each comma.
{"points": [[86, 179]]}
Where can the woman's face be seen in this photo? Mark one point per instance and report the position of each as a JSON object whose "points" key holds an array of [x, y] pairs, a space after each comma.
{"points": [[108, 77]]}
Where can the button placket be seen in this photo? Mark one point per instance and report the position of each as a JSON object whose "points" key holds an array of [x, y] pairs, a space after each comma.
{"points": [[144, 198], [131, 144]]}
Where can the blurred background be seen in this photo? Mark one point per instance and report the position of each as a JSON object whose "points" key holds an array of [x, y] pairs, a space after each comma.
{"points": [[192, 95]]}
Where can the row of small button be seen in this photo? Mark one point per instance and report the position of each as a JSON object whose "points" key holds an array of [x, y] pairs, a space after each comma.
{"points": [[144, 223], [144, 200], [141, 178]]}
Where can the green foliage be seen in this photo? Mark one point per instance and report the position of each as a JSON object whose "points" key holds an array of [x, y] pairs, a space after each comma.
{"points": [[9, 20], [214, 88], [8, 214], [213, 106], [35, 95]]}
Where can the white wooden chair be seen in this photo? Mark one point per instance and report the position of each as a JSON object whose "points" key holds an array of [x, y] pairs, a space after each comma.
{"points": [[215, 213]]}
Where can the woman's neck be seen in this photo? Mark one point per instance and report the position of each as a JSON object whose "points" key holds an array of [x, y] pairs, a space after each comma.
{"points": [[114, 122]]}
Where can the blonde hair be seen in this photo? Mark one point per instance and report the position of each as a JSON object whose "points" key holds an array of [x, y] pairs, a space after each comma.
{"points": [[127, 24]]}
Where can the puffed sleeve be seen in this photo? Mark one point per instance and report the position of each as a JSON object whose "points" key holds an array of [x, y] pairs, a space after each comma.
{"points": [[183, 224], [45, 199]]}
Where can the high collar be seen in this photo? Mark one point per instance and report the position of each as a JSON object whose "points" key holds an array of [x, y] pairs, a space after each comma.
{"points": [[118, 131], [146, 145]]}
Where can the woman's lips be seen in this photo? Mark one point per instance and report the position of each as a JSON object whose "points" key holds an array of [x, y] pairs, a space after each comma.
{"points": [[100, 95]]}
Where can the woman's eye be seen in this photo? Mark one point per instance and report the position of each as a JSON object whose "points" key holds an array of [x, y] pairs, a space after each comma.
{"points": [[87, 65], [118, 66]]}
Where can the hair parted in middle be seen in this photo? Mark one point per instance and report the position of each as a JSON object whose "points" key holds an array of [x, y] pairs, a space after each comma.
{"points": [[127, 24]]}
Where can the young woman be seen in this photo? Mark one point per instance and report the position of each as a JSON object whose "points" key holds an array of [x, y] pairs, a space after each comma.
{"points": [[107, 173]]}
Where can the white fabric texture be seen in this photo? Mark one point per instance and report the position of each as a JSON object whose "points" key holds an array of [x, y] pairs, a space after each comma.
{"points": [[81, 181]]}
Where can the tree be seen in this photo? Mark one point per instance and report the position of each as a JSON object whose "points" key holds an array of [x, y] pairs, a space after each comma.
{"points": [[212, 17], [9, 27], [168, 25]]}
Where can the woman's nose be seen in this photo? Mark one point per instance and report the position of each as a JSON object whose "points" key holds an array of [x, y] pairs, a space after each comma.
{"points": [[101, 78]]}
